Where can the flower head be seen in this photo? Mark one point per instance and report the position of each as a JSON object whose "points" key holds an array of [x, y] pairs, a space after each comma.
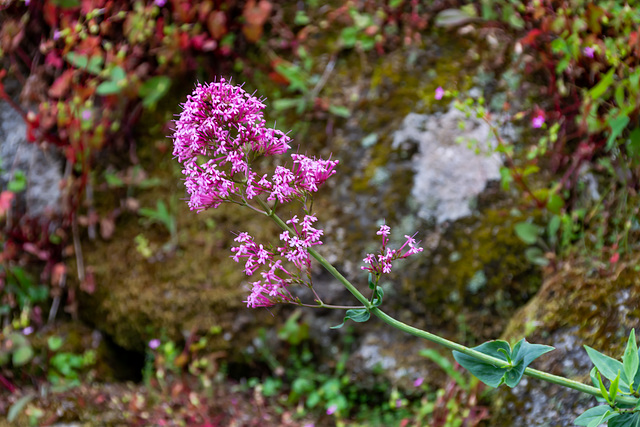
{"points": [[154, 343], [219, 132], [382, 263], [439, 93]]}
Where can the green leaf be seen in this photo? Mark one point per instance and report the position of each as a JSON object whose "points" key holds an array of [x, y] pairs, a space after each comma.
{"points": [[358, 315], [603, 389], [108, 88], [18, 183], [619, 95], [630, 359], [77, 60], [598, 90], [17, 407], [522, 355], [608, 366], [595, 416], [526, 352], [339, 111], [117, 73], [491, 375], [372, 284], [555, 203], [613, 390], [527, 232], [536, 256], [626, 420], [153, 90], [22, 356], [286, 103], [377, 297], [633, 145], [95, 64], [54, 343], [618, 124], [349, 37]]}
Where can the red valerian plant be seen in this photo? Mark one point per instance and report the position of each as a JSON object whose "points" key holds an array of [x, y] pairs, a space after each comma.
{"points": [[218, 137], [220, 134]]}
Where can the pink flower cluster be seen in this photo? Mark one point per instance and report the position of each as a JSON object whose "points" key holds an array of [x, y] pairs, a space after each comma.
{"points": [[220, 131], [272, 288], [382, 263]]}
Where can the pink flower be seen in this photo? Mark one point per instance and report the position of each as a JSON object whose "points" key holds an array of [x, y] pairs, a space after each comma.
{"points": [[160, 3], [588, 51], [384, 261], [332, 409], [538, 120], [154, 343], [220, 130], [275, 278], [439, 93], [418, 382]]}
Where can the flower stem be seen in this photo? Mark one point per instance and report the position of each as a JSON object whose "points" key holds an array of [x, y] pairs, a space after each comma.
{"points": [[534, 373]]}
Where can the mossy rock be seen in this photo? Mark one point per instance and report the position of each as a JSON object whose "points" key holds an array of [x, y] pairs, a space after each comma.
{"points": [[478, 275], [575, 306]]}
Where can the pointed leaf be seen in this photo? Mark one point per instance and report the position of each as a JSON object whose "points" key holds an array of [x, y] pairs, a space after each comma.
{"points": [[17, 407], [486, 372], [608, 366], [523, 354], [527, 352], [598, 90], [357, 315], [630, 359], [613, 390], [377, 298], [618, 124]]}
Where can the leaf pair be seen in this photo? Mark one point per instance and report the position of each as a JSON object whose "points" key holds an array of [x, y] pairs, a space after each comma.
{"points": [[515, 360]]}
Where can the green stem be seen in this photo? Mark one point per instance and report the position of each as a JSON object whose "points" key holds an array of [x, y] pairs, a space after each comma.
{"points": [[534, 373]]}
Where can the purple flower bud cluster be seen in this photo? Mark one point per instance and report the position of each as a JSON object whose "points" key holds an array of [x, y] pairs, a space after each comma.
{"points": [[382, 263], [219, 133], [272, 288]]}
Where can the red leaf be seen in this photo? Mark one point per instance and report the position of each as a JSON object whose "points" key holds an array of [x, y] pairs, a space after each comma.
{"points": [[50, 14], [60, 86], [531, 37], [54, 60]]}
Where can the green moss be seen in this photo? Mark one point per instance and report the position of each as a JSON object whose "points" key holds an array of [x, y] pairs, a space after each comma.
{"points": [[478, 276]]}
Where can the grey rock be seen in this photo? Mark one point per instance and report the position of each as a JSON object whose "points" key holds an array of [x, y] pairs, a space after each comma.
{"points": [[448, 174], [43, 168]]}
